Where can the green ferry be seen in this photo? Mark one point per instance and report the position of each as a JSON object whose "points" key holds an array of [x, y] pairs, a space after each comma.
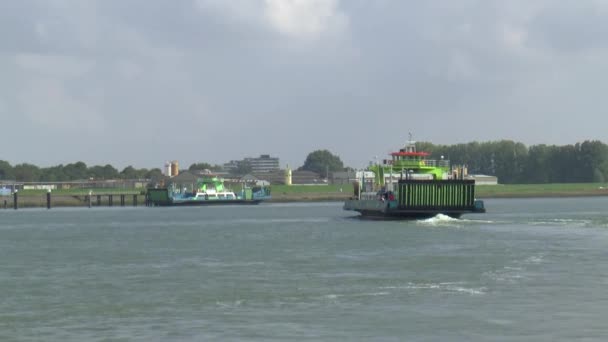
{"points": [[410, 186], [208, 190]]}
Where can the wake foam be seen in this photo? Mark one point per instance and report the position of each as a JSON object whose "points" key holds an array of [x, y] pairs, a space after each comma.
{"points": [[456, 287], [445, 220], [574, 223], [440, 220]]}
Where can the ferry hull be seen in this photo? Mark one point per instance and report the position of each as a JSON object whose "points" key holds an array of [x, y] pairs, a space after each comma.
{"points": [[420, 199], [207, 203], [376, 209], [390, 210]]}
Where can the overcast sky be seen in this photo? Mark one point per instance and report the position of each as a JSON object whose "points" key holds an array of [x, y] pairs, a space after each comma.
{"points": [[139, 82]]}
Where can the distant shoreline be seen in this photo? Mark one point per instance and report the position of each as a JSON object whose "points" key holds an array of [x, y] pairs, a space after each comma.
{"points": [[546, 195], [39, 201]]}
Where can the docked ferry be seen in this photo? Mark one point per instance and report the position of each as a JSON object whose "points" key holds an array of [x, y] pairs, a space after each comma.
{"points": [[208, 190]]}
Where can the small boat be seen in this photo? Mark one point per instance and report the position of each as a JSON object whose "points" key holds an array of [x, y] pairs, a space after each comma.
{"points": [[411, 186], [208, 190]]}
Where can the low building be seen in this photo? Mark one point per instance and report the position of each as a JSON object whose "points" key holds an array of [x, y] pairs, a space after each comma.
{"points": [[264, 163], [8, 186], [249, 178], [306, 177], [342, 177], [484, 179], [347, 177], [274, 177], [298, 177]]}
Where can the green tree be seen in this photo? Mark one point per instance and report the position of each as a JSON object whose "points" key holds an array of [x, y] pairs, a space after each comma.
{"points": [[598, 176], [110, 172], [593, 161], [103, 172], [536, 167], [204, 166], [27, 172], [53, 174], [509, 158], [130, 172], [6, 171], [76, 171], [423, 146], [155, 173], [322, 162], [96, 172]]}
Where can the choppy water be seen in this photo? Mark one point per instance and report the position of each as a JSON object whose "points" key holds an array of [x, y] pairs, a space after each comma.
{"points": [[534, 269]]}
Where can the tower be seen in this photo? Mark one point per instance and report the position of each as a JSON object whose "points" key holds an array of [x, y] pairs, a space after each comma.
{"points": [[288, 175]]}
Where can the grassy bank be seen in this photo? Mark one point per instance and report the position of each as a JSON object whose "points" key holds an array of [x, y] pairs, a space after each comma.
{"points": [[344, 191], [297, 193], [541, 190]]}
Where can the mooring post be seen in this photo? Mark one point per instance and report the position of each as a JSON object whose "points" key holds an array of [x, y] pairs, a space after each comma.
{"points": [[110, 200], [135, 200], [15, 200], [48, 199], [122, 200], [99, 200], [4, 204]]}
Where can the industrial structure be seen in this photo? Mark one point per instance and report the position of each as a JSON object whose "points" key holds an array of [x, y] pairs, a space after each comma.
{"points": [[171, 168]]}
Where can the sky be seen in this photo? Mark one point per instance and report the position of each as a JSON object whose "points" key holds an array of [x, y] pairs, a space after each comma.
{"points": [[140, 82]]}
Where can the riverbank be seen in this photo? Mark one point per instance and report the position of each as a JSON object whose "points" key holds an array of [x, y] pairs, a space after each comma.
{"points": [[311, 197], [345, 191], [303, 193], [541, 190]]}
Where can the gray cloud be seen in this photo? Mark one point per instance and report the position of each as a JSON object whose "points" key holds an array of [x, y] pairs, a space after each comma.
{"points": [[571, 27], [139, 82]]}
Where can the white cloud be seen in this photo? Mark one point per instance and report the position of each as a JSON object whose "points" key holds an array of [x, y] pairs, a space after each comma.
{"points": [[144, 66], [305, 18], [514, 37]]}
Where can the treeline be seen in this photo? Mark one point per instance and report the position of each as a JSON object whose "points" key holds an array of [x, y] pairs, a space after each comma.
{"points": [[514, 163], [511, 162], [71, 172]]}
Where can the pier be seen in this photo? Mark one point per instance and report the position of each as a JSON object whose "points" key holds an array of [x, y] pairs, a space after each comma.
{"points": [[50, 200]]}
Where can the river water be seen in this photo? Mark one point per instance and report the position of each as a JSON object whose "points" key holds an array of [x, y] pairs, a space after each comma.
{"points": [[529, 269]]}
